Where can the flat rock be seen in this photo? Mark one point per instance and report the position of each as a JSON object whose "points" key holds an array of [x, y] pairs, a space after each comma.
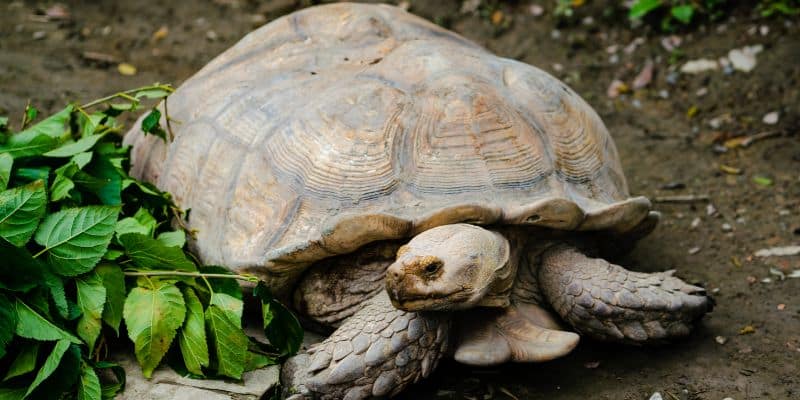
{"points": [[167, 384]]}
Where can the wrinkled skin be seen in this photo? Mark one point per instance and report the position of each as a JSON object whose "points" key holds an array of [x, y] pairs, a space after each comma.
{"points": [[508, 280]]}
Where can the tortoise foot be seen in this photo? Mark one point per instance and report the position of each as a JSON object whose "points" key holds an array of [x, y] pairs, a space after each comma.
{"points": [[608, 302], [375, 353]]}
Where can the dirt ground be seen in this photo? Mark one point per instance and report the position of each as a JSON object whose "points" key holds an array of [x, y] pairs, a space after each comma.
{"points": [[668, 134]]}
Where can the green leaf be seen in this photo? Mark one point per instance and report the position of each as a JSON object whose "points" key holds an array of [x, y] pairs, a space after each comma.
{"points": [[39, 138], [150, 122], [57, 292], [153, 316], [225, 328], [30, 174], [142, 222], [30, 114], [21, 208], [76, 238], [640, 8], [8, 323], [61, 188], [89, 384], [173, 239], [114, 282], [192, 338], [24, 362], [73, 148], [3, 123], [154, 93], [149, 253], [50, 364], [281, 327], [19, 271], [6, 162], [88, 125], [683, 13], [762, 180], [32, 325], [91, 299]]}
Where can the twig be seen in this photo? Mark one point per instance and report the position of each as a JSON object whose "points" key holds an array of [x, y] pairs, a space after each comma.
{"points": [[127, 94], [192, 274], [686, 198]]}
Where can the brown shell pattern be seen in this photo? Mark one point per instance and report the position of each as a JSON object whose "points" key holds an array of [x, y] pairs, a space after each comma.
{"points": [[344, 124]]}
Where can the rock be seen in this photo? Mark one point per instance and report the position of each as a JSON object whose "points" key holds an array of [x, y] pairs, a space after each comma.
{"points": [[744, 59], [770, 118], [699, 66], [726, 227], [167, 384], [656, 396], [645, 75], [536, 10], [616, 88], [779, 251], [721, 339]]}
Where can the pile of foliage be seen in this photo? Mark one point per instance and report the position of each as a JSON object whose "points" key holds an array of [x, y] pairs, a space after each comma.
{"points": [[90, 258]]}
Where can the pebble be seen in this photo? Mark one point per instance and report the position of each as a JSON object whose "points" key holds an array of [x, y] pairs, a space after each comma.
{"points": [[744, 59], [664, 94], [710, 209], [695, 223], [212, 36], [536, 10], [770, 118], [555, 34], [613, 59], [39, 35], [672, 77], [656, 396], [763, 30], [588, 21], [721, 339], [728, 398], [699, 66], [701, 92], [694, 250], [726, 227]]}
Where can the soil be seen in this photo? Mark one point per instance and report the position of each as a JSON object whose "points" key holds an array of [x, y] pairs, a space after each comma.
{"points": [[666, 133]]}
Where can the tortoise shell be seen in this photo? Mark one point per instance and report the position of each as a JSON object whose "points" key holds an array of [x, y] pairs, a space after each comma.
{"points": [[344, 124]]}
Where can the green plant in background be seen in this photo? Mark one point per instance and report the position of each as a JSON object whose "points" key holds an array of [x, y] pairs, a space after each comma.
{"points": [[671, 11], [768, 8], [89, 257]]}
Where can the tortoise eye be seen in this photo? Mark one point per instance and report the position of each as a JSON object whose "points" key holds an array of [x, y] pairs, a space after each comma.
{"points": [[433, 267]]}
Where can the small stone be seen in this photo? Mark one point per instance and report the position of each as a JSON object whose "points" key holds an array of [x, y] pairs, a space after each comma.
{"points": [[710, 209], [701, 92], [636, 103], [613, 59], [694, 250], [728, 398], [781, 307], [39, 35], [591, 364], [744, 59], [672, 78], [558, 67], [536, 10], [721, 339], [763, 30], [212, 36], [616, 88], [588, 21], [699, 66], [770, 118], [404, 5], [555, 34], [726, 227], [695, 223], [645, 75], [126, 69], [656, 396], [663, 93]]}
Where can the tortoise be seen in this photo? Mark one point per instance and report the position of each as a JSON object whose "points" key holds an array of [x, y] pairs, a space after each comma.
{"points": [[412, 192]]}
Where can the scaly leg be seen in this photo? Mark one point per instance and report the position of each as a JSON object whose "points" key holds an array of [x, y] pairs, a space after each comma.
{"points": [[608, 302], [376, 352]]}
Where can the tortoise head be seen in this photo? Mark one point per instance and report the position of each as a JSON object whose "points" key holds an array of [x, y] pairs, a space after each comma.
{"points": [[450, 267]]}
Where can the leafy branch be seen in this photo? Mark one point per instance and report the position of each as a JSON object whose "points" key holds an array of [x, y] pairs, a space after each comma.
{"points": [[86, 247]]}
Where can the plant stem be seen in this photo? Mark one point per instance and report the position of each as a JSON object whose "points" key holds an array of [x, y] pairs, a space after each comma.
{"points": [[126, 94], [192, 274]]}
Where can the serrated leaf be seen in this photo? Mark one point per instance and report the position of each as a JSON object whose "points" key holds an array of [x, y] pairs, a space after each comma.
{"points": [[153, 315], [75, 239], [91, 296], [103, 168], [21, 208], [192, 337], [114, 282], [24, 362], [173, 239], [257, 360], [225, 329], [6, 162], [12, 393], [109, 390], [89, 384], [39, 138], [142, 222], [8, 323], [149, 253], [32, 325], [56, 287], [50, 364], [150, 122], [88, 125], [73, 148], [281, 327]]}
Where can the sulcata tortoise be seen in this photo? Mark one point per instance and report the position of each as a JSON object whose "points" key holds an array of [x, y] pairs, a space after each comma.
{"points": [[416, 194]]}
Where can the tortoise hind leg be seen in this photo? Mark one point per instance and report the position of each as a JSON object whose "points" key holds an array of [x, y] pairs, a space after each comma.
{"points": [[376, 352], [608, 302]]}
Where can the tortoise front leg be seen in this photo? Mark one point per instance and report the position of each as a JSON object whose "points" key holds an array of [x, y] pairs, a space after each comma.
{"points": [[608, 302], [377, 352]]}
